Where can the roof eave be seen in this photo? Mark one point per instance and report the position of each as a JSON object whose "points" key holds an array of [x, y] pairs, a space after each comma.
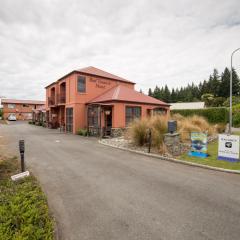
{"points": [[116, 100]]}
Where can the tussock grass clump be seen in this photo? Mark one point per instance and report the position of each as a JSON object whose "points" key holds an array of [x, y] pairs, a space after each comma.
{"points": [[158, 125], [193, 124], [138, 130]]}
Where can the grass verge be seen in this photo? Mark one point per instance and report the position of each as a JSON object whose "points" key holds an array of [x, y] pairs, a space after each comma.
{"points": [[212, 160], [24, 211]]}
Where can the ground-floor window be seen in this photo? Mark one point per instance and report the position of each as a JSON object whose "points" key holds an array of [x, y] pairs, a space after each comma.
{"points": [[159, 111], [132, 113], [69, 119], [93, 116]]}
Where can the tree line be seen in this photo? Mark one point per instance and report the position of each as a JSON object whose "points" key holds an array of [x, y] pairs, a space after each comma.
{"points": [[214, 91]]}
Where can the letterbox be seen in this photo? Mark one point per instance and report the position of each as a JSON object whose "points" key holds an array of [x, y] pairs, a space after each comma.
{"points": [[172, 126]]}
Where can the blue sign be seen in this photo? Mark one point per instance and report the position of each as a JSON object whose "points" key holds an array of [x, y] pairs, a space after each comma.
{"points": [[198, 145]]}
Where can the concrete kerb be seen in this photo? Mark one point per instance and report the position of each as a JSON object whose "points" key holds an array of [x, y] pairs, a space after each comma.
{"points": [[174, 159]]}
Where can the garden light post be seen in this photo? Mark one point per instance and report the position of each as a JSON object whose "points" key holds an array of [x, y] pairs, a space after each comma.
{"points": [[22, 150], [230, 102]]}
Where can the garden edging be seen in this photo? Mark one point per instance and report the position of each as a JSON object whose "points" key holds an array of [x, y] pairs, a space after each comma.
{"points": [[173, 159]]}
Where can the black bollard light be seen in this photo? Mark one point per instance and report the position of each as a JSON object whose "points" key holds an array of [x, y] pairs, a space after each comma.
{"points": [[22, 150], [149, 139]]}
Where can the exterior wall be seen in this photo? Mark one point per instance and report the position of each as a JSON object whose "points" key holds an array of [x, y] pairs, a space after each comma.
{"points": [[119, 121], [22, 113]]}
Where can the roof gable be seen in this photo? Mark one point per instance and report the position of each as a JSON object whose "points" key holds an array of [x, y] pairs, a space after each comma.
{"points": [[94, 72], [98, 72]]}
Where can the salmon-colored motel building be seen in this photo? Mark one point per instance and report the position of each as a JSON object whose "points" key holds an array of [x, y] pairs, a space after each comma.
{"points": [[93, 99], [22, 109]]}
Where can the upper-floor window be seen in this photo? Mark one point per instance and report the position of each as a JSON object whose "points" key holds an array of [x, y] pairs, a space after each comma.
{"points": [[25, 105], [132, 113], [11, 105], [81, 84]]}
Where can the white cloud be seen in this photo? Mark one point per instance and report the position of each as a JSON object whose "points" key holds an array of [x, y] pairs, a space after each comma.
{"points": [[149, 42]]}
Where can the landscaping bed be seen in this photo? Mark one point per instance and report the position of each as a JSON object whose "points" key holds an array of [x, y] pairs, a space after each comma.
{"points": [[136, 139], [24, 210]]}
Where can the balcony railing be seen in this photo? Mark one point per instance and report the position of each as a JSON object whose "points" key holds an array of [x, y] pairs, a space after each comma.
{"points": [[51, 101], [61, 98]]}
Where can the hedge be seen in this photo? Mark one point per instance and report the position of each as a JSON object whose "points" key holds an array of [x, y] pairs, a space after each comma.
{"points": [[213, 115]]}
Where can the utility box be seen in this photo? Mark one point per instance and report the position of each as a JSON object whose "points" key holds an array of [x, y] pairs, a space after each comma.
{"points": [[172, 126]]}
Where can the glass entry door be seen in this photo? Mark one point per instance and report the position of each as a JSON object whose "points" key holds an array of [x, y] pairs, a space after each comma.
{"points": [[69, 120]]}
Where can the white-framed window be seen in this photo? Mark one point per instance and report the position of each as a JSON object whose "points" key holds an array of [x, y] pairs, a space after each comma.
{"points": [[11, 105]]}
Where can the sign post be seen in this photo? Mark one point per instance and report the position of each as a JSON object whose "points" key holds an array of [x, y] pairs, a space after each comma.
{"points": [[228, 147]]}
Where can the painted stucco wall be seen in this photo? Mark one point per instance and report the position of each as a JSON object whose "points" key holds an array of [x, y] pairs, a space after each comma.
{"points": [[119, 109]]}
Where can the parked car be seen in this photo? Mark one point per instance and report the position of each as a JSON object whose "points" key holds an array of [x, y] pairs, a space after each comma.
{"points": [[12, 117]]}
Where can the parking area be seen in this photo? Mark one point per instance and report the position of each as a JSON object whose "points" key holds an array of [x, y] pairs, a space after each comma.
{"points": [[97, 192]]}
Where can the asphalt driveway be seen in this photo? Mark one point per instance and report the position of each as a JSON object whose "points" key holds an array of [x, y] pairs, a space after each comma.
{"points": [[97, 192]]}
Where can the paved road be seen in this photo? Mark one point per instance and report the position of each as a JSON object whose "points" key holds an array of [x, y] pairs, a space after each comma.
{"points": [[101, 193]]}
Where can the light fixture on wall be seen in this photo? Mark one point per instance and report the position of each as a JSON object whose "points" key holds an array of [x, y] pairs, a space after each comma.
{"points": [[107, 112]]}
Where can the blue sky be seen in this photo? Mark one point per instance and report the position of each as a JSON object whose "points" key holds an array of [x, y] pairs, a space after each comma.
{"points": [[149, 42]]}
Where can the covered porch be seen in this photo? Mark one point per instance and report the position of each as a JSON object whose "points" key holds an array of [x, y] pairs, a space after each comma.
{"points": [[100, 119]]}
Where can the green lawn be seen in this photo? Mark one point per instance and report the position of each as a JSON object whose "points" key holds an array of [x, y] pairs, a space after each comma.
{"points": [[212, 160], [24, 213]]}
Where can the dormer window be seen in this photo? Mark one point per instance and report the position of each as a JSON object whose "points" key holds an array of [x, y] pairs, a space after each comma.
{"points": [[81, 84]]}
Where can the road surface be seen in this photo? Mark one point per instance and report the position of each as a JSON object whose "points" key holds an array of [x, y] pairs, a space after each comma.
{"points": [[97, 192]]}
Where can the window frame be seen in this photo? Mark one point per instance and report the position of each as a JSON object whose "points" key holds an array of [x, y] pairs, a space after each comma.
{"points": [[80, 77], [129, 118], [11, 105]]}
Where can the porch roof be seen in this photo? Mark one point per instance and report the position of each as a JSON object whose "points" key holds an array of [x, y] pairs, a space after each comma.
{"points": [[125, 94]]}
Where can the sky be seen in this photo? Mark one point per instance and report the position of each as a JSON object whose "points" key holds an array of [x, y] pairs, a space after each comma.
{"points": [[150, 42]]}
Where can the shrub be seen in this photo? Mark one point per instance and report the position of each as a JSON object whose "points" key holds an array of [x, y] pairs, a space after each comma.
{"points": [[159, 127], [235, 101], [236, 115], [194, 124], [213, 115], [138, 131], [82, 132], [23, 210], [220, 127], [236, 119]]}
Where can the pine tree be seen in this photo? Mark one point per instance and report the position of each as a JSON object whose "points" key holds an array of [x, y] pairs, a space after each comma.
{"points": [[150, 92]]}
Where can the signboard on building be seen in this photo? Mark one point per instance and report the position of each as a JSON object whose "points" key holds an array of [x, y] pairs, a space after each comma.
{"points": [[228, 147], [198, 144]]}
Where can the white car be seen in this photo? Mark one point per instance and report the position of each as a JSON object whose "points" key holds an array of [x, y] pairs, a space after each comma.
{"points": [[12, 117]]}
